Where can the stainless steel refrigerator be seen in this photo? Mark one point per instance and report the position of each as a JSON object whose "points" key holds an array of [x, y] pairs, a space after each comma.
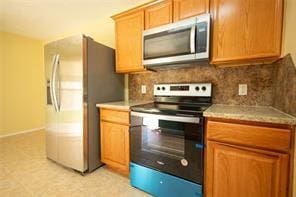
{"points": [[79, 73]]}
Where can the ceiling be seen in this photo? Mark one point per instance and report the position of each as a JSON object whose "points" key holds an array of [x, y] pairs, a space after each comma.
{"points": [[43, 19]]}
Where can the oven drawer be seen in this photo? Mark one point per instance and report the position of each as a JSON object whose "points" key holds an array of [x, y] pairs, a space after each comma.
{"points": [[161, 184], [115, 116], [249, 135]]}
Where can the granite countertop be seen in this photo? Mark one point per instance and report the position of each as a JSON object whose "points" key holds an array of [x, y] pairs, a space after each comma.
{"points": [[250, 113], [121, 105]]}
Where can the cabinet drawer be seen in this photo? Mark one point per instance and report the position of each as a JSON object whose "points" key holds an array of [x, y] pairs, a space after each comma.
{"points": [[249, 135], [114, 116]]}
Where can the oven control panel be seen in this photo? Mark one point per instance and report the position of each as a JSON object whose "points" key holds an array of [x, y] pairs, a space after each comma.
{"points": [[193, 89]]}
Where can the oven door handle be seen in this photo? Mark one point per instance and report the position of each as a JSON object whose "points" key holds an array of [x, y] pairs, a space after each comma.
{"points": [[194, 120]]}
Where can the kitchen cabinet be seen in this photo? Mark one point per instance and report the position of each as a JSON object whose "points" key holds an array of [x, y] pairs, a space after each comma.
{"points": [[246, 31], [115, 147], [247, 159], [237, 171], [189, 8], [159, 14], [243, 32], [129, 26], [128, 34]]}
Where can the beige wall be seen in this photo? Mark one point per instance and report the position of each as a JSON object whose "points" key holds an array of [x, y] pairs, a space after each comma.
{"points": [[289, 44], [1, 83], [22, 82], [103, 32]]}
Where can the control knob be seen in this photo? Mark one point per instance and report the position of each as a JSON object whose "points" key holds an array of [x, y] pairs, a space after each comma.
{"points": [[197, 88], [204, 88]]}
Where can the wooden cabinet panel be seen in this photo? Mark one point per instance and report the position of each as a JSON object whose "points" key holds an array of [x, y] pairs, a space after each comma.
{"points": [[257, 26], [159, 14], [129, 29], [234, 171], [188, 8], [114, 116], [115, 145], [249, 135]]}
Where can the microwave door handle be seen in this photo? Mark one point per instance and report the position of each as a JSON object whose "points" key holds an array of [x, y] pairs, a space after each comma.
{"points": [[192, 39]]}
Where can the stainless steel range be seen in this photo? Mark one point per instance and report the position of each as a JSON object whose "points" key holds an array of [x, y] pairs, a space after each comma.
{"points": [[167, 140]]}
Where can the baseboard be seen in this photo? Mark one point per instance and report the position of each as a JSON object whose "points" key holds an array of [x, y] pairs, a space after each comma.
{"points": [[21, 132]]}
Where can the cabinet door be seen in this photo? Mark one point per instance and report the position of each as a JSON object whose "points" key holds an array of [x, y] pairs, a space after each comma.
{"points": [[159, 14], [115, 145], [234, 171], [246, 30], [129, 30], [188, 8]]}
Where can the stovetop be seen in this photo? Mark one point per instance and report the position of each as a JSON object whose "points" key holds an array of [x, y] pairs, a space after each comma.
{"points": [[190, 110], [179, 100]]}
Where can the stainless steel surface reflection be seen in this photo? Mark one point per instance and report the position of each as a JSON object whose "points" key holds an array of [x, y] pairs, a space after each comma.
{"points": [[76, 68]]}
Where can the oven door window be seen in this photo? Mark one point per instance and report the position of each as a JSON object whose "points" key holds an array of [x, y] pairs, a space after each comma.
{"points": [[166, 44], [168, 146]]}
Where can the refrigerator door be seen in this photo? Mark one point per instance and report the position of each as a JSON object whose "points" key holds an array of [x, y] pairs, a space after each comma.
{"points": [[51, 122], [70, 138]]}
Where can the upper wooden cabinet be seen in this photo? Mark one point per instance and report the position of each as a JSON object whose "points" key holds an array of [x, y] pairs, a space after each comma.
{"points": [[242, 31], [159, 14], [129, 29], [188, 8], [245, 31]]}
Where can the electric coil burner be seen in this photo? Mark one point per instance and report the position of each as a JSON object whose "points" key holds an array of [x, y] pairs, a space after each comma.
{"points": [[167, 140]]}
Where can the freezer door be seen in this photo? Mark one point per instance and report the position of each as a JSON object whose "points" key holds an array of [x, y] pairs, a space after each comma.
{"points": [[70, 138], [51, 121]]}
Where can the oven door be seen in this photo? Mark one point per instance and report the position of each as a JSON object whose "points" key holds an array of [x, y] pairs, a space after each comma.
{"points": [[171, 144]]}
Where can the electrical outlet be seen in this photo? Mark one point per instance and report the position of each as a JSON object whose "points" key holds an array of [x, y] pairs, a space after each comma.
{"points": [[242, 89], [143, 89]]}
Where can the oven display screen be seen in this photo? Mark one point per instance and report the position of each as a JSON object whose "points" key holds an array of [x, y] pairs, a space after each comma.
{"points": [[179, 88]]}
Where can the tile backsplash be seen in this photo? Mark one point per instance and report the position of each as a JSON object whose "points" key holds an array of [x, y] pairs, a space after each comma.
{"points": [[284, 83], [225, 82]]}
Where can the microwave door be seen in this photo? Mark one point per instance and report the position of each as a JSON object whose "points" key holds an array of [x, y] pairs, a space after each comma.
{"points": [[164, 45]]}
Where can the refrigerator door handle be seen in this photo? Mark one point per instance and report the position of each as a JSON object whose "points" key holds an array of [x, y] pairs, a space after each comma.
{"points": [[53, 86], [57, 75], [51, 81]]}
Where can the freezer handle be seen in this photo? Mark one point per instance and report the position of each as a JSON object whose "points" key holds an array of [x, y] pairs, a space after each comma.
{"points": [[54, 84], [51, 83]]}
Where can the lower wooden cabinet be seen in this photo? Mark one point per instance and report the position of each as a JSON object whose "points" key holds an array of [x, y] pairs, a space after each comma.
{"points": [[241, 162], [114, 142], [234, 171]]}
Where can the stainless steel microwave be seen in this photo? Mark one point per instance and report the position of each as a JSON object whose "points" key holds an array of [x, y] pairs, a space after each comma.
{"points": [[180, 42]]}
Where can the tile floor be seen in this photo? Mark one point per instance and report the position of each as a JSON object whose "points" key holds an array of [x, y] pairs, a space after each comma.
{"points": [[25, 171]]}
